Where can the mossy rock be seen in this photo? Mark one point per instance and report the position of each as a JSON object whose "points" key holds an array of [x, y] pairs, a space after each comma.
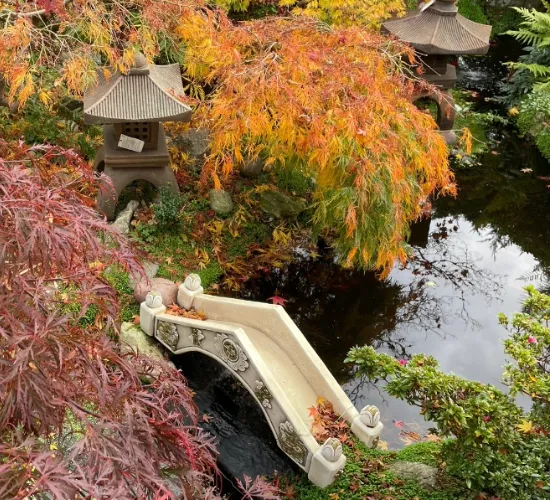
{"points": [[280, 205]]}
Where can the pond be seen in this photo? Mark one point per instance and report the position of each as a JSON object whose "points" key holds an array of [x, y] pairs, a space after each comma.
{"points": [[473, 259]]}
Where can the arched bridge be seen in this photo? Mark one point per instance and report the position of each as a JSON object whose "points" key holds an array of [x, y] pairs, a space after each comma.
{"points": [[261, 345]]}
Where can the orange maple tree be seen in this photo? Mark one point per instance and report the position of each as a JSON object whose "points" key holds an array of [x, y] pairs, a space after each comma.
{"points": [[333, 102]]}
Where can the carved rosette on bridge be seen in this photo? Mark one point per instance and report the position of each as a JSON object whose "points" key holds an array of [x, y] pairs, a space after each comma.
{"points": [[291, 443], [168, 333], [231, 352], [263, 394]]}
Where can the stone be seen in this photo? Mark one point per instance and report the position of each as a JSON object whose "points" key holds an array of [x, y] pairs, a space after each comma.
{"points": [[195, 142], [151, 270], [251, 168], [122, 222], [167, 289], [220, 201], [280, 205], [133, 338], [425, 475]]}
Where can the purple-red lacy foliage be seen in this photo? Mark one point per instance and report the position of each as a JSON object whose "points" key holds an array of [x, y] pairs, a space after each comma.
{"points": [[75, 420]]}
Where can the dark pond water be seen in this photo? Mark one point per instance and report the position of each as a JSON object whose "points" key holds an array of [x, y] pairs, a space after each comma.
{"points": [[473, 259]]}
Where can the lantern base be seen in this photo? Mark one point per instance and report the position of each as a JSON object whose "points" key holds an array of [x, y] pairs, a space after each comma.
{"points": [[124, 167]]}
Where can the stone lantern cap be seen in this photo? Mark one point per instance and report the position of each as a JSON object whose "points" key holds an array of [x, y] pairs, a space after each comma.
{"points": [[147, 93], [440, 29]]}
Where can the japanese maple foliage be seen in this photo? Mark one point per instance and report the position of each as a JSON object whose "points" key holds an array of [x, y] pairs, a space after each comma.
{"points": [[75, 419]]}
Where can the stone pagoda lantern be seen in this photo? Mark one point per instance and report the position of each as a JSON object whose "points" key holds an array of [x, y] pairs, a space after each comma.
{"points": [[437, 31], [131, 107]]}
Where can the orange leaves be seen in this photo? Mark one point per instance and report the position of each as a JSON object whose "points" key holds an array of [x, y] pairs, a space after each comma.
{"points": [[351, 221], [327, 424], [175, 310], [330, 102]]}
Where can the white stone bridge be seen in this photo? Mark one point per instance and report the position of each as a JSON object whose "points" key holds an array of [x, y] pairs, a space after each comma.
{"points": [[260, 344]]}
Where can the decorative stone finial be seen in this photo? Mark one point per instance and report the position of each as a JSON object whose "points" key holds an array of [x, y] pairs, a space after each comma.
{"points": [[189, 289], [370, 416], [153, 299], [140, 66], [192, 282], [332, 449]]}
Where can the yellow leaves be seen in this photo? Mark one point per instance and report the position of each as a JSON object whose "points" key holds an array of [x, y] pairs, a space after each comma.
{"points": [[44, 97], [25, 91], [466, 140], [79, 73], [525, 427], [513, 111], [203, 257], [351, 256], [383, 445], [280, 236], [365, 13]]}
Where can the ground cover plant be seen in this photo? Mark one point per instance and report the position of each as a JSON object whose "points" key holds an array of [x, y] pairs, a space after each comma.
{"points": [[499, 447], [368, 472]]}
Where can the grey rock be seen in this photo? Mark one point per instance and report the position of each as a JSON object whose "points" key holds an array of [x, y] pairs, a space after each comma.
{"points": [[122, 222], [220, 201], [167, 289], [151, 270], [280, 205], [195, 142], [251, 168], [425, 475], [133, 338]]}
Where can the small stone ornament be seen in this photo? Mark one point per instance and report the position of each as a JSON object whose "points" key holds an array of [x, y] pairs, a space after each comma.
{"points": [[153, 299], [370, 416], [192, 282], [332, 449]]}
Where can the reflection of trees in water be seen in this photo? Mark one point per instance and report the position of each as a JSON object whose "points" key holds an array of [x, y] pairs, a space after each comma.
{"points": [[448, 260], [506, 204], [337, 309]]}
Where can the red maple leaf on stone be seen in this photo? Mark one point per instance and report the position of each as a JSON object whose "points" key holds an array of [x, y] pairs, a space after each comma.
{"points": [[278, 300]]}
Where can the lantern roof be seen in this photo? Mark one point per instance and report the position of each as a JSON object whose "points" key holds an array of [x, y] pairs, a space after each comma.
{"points": [[438, 28], [147, 93]]}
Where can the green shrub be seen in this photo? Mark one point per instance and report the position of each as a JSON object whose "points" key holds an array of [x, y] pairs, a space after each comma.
{"points": [[499, 447], [522, 81], [168, 211], [473, 10], [534, 119]]}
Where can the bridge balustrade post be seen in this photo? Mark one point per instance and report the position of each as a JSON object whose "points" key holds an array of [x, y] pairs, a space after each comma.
{"points": [[367, 427], [187, 292], [326, 462], [148, 311]]}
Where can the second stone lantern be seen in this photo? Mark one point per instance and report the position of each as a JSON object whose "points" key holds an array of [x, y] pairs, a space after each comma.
{"points": [[437, 31], [131, 106]]}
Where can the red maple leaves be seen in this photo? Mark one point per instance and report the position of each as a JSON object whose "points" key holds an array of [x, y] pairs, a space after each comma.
{"points": [[326, 423]]}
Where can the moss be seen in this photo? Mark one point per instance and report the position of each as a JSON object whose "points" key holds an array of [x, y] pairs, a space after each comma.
{"points": [[294, 180], [118, 279], [424, 453], [252, 232], [366, 475]]}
